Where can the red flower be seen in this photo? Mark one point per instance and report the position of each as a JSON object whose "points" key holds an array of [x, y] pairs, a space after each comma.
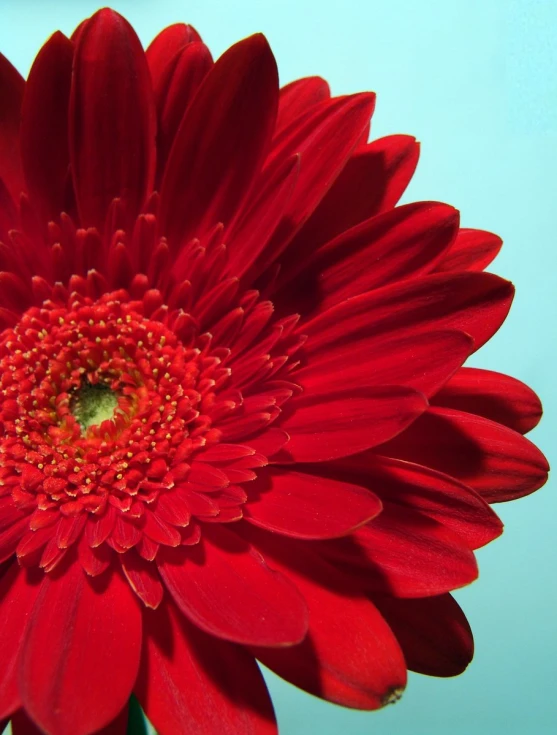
{"points": [[233, 422]]}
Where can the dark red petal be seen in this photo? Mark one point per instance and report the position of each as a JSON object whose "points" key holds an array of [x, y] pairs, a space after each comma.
{"points": [[250, 234], [473, 250], [492, 395], [18, 591], [404, 243], [8, 212], [81, 651], [395, 158], [438, 496], [350, 656], [322, 428], [44, 127], [495, 461], [323, 154], [22, 725], [112, 119], [423, 361], [433, 633], [166, 45], [378, 554], [372, 181], [305, 506], [220, 147], [192, 683], [298, 97], [12, 88], [475, 303], [193, 64], [226, 588]]}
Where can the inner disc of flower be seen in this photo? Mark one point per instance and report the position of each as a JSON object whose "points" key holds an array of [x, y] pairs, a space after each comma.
{"points": [[93, 404]]}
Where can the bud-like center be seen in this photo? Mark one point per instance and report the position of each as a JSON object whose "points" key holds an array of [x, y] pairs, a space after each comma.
{"points": [[93, 404]]}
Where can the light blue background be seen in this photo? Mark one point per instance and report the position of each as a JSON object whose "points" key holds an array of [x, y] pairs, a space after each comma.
{"points": [[476, 82]]}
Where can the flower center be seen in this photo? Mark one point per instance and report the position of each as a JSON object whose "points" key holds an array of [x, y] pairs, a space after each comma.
{"points": [[100, 404], [93, 404]]}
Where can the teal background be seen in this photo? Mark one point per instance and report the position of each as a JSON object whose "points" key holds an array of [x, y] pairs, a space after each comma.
{"points": [[476, 82]]}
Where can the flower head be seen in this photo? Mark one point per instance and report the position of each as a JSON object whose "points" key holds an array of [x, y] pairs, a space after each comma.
{"points": [[234, 421]]}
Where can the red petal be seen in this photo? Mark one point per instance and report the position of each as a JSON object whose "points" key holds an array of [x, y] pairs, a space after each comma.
{"points": [[404, 243], [305, 506], [346, 423], [164, 47], [12, 87], [475, 303], [372, 181], [143, 578], [221, 147], [11, 536], [297, 98], [424, 362], [433, 633], [324, 150], [350, 656], [378, 555], [395, 158], [473, 250], [495, 461], [8, 213], [494, 396], [249, 236], [191, 682], [112, 119], [44, 128], [80, 654], [18, 591], [438, 496], [226, 588], [193, 64]]}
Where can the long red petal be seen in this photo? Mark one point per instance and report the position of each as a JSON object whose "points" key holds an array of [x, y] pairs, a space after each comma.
{"points": [[298, 97], [44, 127], [226, 588], [192, 66], [18, 591], [306, 506], [12, 88], [404, 243], [475, 303], [165, 46], [191, 683], [424, 362], [218, 149], [249, 236], [112, 119], [495, 461], [433, 633], [378, 554], [472, 250], [494, 396], [346, 423], [81, 652], [350, 656], [324, 152], [372, 181], [438, 496]]}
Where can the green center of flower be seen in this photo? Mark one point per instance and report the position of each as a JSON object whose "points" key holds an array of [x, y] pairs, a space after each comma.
{"points": [[93, 404]]}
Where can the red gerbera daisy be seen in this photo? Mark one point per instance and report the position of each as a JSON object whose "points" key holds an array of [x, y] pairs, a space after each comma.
{"points": [[234, 422]]}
